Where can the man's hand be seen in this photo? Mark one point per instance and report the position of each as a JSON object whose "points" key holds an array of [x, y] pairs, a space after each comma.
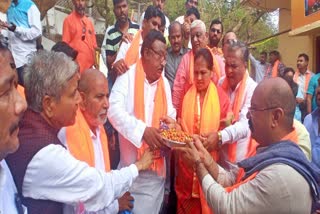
{"points": [[153, 138], [125, 202], [145, 161], [203, 152], [210, 140], [4, 25], [120, 67], [299, 100], [171, 123], [127, 37]]}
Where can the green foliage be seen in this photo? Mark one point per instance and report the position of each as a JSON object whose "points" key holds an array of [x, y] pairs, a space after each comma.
{"points": [[248, 23]]}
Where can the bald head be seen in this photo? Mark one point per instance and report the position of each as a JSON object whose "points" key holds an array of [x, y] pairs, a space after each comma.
{"points": [[275, 92], [93, 88], [88, 78]]}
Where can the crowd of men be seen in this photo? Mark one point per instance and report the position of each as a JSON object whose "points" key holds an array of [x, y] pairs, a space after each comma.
{"points": [[73, 140]]}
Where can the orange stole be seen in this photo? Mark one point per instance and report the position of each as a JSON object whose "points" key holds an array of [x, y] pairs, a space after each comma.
{"points": [[291, 136], [236, 108], [132, 55], [215, 64], [187, 184], [306, 81], [275, 69], [217, 51], [80, 143], [159, 110]]}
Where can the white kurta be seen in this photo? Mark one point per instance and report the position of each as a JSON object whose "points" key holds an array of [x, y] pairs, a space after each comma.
{"points": [[239, 131], [54, 174], [148, 188], [113, 208]]}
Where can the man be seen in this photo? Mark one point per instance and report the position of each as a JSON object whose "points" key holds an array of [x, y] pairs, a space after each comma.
{"points": [[79, 33], [184, 75], [12, 107], [260, 66], [288, 75], [129, 53], [140, 98], [229, 37], [175, 52], [276, 67], [191, 15], [24, 27], [46, 174], [302, 77], [189, 4], [86, 139], [234, 139], [160, 5], [215, 35], [311, 93], [279, 178], [122, 32], [311, 123]]}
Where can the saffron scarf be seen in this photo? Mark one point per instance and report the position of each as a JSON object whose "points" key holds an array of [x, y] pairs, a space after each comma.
{"points": [[275, 69], [159, 110], [204, 120], [80, 143], [236, 108], [132, 55]]}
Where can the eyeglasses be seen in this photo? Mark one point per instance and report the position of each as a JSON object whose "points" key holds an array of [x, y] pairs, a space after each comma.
{"points": [[160, 56], [251, 109], [83, 37], [213, 30]]}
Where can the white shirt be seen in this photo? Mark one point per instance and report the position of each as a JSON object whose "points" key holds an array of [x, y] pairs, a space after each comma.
{"points": [[180, 19], [166, 30], [22, 42], [54, 174], [301, 81], [99, 164], [239, 131], [148, 189], [7, 191]]}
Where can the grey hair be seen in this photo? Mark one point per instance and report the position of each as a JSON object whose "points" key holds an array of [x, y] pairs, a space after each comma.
{"points": [[47, 74], [237, 45], [198, 23]]}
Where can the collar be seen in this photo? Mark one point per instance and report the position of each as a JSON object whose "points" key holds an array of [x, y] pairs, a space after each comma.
{"points": [[307, 72], [95, 136], [181, 52], [116, 25]]}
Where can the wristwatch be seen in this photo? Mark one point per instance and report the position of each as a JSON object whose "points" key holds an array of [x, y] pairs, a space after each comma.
{"points": [[219, 139]]}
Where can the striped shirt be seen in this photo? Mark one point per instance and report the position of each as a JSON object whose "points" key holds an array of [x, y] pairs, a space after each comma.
{"points": [[113, 37]]}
